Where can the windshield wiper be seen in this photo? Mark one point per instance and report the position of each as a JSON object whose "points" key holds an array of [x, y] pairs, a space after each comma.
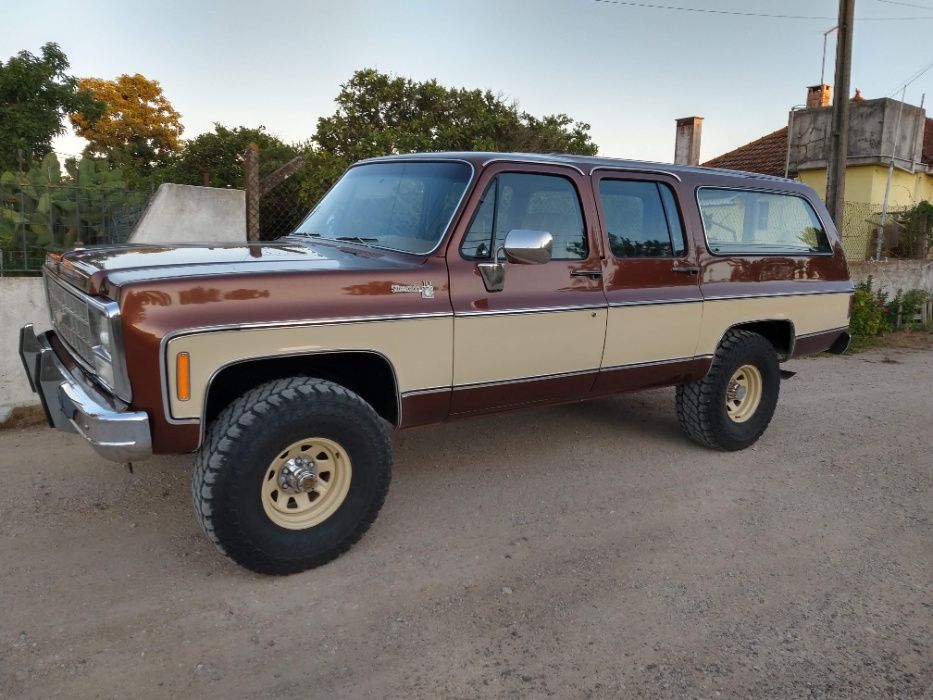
{"points": [[305, 233], [357, 239]]}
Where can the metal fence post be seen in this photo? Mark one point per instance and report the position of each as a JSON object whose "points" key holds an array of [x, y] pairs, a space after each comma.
{"points": [[77, 217], [22, 215], [51, 218], [251, 172]]}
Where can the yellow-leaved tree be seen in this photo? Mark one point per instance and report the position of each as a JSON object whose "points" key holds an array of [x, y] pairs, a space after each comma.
{"points": [[140, 128]]}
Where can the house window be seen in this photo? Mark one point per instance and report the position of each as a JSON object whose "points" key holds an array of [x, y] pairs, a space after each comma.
{"points": [[760, 223]]}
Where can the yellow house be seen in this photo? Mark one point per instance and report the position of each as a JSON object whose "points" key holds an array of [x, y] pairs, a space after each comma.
{"points": [[877, 129]]}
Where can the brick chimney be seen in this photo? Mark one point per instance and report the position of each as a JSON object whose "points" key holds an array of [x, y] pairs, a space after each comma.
{"points": [[687, 141], [819, 96]]}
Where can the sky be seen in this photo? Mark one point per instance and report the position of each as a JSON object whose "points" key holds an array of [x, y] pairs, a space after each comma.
{"points": [[628, 71]]}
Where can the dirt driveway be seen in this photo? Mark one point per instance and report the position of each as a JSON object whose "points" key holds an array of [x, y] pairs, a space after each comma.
{"points": [[581, 551]]}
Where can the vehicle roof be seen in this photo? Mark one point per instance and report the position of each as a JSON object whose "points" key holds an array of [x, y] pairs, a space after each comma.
{"points": [[584, 163]]}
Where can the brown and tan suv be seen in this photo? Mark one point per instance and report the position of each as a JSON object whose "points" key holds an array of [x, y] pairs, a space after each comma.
{"points": [[424, 288]]}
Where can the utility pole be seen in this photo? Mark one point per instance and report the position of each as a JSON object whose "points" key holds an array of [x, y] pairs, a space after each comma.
{"points": [[839, 137]]}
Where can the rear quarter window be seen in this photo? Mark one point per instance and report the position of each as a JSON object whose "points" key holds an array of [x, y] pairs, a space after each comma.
{"points": [[760, 223]]}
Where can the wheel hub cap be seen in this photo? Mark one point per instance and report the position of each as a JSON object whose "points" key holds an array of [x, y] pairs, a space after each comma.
{"points": [[743, 393], [737, 391], [298, 475]]}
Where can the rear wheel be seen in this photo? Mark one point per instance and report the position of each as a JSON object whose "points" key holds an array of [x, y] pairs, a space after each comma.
{"points": [[291, 475], [731, 407]]}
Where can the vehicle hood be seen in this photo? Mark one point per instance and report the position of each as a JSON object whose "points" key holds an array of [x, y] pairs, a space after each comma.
{"points": [[95, 269]]}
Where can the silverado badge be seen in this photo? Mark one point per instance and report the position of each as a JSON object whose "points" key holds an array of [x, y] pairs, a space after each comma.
{"points": [[426, 289]]}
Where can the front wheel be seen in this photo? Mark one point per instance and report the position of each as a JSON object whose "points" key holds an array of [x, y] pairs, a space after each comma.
{"points": [[291, 475], [730, 408]]}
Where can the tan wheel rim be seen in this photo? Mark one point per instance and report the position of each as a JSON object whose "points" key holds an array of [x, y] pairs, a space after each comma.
{"points": [[743, 393], [306, 483]]}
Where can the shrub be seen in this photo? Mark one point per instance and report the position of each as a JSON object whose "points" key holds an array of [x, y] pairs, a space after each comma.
{"points": [[874, 314], [870, 315]]}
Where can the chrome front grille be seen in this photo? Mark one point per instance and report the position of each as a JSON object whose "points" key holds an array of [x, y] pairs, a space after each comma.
{"points": [[70, 318]]}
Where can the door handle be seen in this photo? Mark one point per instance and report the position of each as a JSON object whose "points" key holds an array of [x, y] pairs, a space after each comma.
{"points": [[686, 269], [586, 273]]}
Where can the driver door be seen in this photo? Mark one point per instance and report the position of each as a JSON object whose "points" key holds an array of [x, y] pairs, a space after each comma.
{"points": [[540, 339]]}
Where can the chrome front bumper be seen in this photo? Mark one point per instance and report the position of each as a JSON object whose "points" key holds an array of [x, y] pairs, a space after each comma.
{"points": [[73, 405]]}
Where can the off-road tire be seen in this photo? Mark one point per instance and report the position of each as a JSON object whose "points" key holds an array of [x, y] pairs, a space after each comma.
{"points": [[252, 431], [701, 405]]}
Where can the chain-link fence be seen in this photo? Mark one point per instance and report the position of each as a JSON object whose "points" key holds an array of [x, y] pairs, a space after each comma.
{"points": [[904, 237], [859, 224], [281, 210], [35, 219]]}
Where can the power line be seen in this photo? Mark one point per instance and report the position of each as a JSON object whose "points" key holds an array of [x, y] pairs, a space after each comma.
{"points": [[739, 13], [916, 76], [906, 4]]}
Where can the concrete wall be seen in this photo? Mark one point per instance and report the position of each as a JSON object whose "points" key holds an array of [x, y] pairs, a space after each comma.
{"points": [[188, 214], [895, 274], [872, 127], [22, 301], [176, 214]]}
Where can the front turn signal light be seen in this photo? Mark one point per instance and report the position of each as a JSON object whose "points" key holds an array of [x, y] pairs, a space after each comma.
{"points": [[183, 376]]}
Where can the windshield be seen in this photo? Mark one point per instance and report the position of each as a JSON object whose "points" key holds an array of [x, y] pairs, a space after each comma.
{"points": [[403, 206]]}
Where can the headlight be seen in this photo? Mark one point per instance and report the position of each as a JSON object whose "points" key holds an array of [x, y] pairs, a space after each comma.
{"points": [[109, 362], [100, 333], [100, 345]]}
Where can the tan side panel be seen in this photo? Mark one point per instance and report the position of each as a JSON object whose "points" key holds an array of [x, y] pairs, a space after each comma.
{"points": [[421, 351], [512, 346], [651, 333], [810, 313]]}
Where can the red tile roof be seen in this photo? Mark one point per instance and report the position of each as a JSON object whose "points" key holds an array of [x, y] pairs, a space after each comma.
{"points": [[767, 155]]}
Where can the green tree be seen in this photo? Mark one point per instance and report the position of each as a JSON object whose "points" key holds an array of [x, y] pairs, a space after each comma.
{"points": [[378, 114], [35, 95], [216, 158]]}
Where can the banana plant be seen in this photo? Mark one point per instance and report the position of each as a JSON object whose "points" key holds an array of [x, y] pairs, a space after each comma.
{"points": [[46, 208]]}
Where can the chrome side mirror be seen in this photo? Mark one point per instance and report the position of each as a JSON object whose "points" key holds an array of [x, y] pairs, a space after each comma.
{"points": [[522, 247], [527, 247]]}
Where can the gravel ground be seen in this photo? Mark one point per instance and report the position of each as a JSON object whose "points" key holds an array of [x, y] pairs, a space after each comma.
{"points": [[574, 552]]}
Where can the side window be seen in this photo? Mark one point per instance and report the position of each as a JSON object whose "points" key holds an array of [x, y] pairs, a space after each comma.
{"points": [[641, 219], [763, 223], [518, 200]]}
